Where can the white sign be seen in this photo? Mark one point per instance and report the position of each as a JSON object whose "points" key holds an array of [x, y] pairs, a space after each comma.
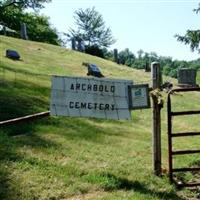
{"points": [[90, 97], [139, 96]]}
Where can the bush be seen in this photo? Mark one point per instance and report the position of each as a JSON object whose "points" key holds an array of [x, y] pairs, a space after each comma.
{"points": [[94, 50]]}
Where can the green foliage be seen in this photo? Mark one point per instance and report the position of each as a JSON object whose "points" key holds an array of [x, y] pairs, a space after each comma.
{"points": [[94, 50], [22, 4], [11, 17], [192, 37], [169, 67], [91, 28], [38, 26], [139, 64], [107, 54], [126, 57]]}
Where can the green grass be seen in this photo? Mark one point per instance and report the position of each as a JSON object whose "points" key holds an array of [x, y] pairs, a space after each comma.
{"points": [[198, 77], [79, 158]]}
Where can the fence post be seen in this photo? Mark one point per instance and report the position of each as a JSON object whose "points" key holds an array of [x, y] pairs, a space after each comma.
{"points": [[156, 135]]}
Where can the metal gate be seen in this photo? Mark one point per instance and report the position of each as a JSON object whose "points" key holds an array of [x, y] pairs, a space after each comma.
{"points": [[171, 135]]}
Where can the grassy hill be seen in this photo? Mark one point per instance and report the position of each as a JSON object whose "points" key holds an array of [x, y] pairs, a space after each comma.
{"points": [[79, 158]]}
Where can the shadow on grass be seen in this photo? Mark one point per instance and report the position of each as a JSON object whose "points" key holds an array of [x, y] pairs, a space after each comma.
{"points": [[21, 71], [21, 99], [10, 156], [16, 100], [7, 154], [77, 129], [110, 182], [83, 129], [5, 190]]}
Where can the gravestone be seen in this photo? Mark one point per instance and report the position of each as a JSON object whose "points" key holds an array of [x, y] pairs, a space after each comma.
{"points": [[147, 68], [81, 46], [116, 56], [4, 30], [12, 54], [187, 77], [73, 41], [93, 70], [23, 32]]}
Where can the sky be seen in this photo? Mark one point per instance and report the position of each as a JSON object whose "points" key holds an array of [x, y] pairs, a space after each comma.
{"points": [[149, 25]]}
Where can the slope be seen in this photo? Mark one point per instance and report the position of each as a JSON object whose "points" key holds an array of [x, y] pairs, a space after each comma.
{"points": [[76, 158]]}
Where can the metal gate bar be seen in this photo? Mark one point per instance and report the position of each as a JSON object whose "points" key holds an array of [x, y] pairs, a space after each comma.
{"points": [[171, 135]]}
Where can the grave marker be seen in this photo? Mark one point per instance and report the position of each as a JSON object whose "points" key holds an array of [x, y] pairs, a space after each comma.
{"points": [[187, 77]]}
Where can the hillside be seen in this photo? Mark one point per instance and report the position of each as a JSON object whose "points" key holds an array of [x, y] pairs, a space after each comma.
{"points": [[79, 158]]}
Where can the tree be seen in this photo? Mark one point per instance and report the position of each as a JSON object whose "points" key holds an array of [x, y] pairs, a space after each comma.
{"points": [[91, 28], [22, 4], [38, 26], [140, 53], [126, 57], [12, 14], [192, 37]]}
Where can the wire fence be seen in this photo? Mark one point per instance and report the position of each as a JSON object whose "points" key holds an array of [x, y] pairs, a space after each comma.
{"points": [[23, 93], [14, 77]]}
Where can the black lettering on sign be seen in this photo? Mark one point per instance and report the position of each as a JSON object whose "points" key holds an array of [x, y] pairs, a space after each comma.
{"points": [[72, 87], [90, 106], [71, 104], [112, 107], [112, 88], [101, 106], [100, 88], [77, 105], [106, 88], [107, 106], [78, 86], [83, 87], [83, 105], [89, 87], [95, 105], [95, 87]]}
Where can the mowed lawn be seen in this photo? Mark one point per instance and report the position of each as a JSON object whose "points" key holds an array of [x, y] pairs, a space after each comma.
{"points": [[81, 158]]}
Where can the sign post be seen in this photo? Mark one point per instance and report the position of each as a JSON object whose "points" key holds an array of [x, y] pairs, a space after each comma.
{"points": [[156, 137]]}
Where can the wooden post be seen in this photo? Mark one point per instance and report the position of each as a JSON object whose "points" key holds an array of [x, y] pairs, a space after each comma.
{"points": [[156, 137], [156, 75]]}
